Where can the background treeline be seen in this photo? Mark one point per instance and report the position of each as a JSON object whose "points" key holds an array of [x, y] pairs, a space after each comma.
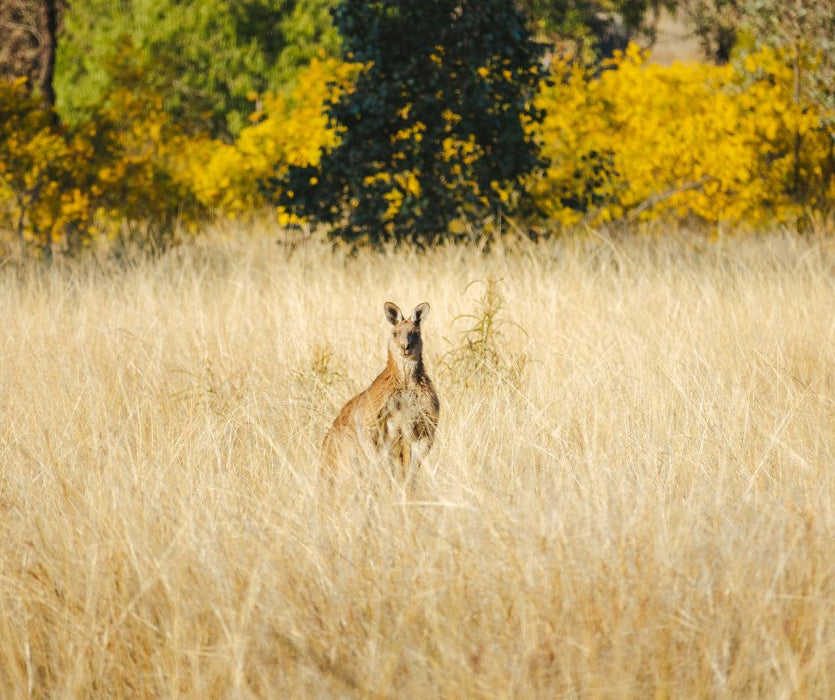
{"points": [[132, 119]]}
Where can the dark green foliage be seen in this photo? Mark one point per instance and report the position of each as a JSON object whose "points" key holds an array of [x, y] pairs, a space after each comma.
{"points": [[440, 72]]}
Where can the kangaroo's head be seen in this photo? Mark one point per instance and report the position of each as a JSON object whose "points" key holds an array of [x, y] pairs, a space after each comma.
{"points": [[405, 343]]}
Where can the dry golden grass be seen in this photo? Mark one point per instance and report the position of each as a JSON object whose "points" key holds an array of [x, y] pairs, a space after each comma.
{"points": [[632, 492]]}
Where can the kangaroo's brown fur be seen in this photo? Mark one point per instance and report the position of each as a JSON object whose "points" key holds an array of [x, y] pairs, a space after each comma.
{"points": [[394, 420]]}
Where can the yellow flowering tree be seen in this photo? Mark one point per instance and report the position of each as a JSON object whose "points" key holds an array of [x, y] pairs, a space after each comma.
{"points": [[32, 151], [140, 163], [61, 187], [284, 130], [647, 141]]}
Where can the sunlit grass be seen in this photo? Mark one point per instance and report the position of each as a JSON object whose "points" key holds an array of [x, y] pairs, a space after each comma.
{"points": [[632, 491]]}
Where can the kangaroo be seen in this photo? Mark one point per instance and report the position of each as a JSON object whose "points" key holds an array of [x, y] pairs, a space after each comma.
{"points": [[394, 420]]}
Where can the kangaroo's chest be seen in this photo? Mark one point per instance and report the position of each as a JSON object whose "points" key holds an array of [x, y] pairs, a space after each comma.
{"points": [[405, 414]]}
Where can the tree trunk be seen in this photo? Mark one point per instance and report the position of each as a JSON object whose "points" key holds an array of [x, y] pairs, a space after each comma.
{"points": [[49, 19], [797, 137], [21, 219]]}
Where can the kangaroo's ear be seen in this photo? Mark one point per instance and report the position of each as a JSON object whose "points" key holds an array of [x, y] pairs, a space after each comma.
{"points": [[421, 312], [393, 313]]}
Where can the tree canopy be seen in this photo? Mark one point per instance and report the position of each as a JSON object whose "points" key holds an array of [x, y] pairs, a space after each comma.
{"points": [[432, 126], [594, 29], [206, 56], [435, 127]]}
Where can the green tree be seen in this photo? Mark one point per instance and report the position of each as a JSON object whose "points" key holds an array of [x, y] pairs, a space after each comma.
{"points": [[435, 127], [715, 23], [308, 31], [206, 56], [593, 29], [798, 27]]}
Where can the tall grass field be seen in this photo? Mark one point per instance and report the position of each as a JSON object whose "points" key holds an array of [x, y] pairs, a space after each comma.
{"points": [[631, 493]]}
